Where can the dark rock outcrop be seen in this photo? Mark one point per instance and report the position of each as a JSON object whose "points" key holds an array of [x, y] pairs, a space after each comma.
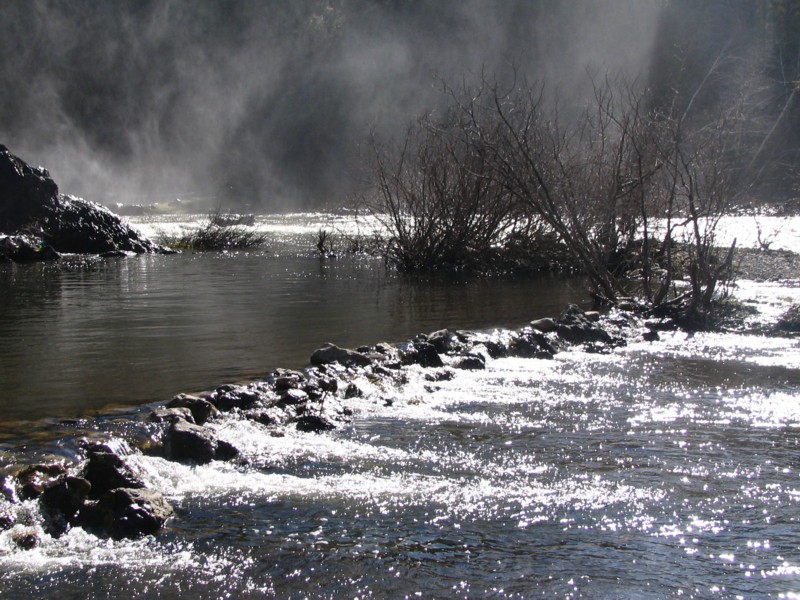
{"points": [[30, 203]]}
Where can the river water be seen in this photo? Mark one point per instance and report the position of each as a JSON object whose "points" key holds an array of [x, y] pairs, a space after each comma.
{"points": [[659, 470]]}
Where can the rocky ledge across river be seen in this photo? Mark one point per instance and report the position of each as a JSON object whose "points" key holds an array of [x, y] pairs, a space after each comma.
{"points": [[102, 493], [37, 222]]}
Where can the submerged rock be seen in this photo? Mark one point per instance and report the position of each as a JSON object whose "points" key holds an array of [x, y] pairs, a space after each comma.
{"points": [[34, 479]]}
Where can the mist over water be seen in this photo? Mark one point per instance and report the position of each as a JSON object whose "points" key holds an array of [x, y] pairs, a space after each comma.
{"points": [[265, 104]]}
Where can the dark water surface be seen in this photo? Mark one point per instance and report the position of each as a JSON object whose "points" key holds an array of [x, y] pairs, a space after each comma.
{"points": [[659, 470], [87, 334]]}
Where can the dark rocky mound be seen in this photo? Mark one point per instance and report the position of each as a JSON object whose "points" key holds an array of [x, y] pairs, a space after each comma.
{"points": [[39, 222]]}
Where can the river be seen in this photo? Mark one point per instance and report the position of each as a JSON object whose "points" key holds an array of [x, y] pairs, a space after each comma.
{"points": [[662, 469]]}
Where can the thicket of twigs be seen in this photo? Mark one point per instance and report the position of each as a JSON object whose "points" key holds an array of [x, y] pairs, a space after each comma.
{"points": [[632, 194]]}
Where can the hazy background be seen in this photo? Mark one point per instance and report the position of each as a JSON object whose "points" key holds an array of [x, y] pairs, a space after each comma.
{"points": [[263, 105]]}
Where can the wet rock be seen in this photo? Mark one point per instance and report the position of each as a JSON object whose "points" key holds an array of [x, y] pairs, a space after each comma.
{"points": [[650, 336], [313, 423], [469, 362], [423, 354], [226, 451], [33, 480], [353, 391], [446, 341], [202, 410], [26, 538], [164, 414], [132, 513], [576, 328], [185, 441], [546, 325], [106, 471], [331, 353], [268, 416], [61, 503], [188, 442], [6, 516], [440, 375], [527, 343], [790, 320], [293, 397], [228, 398], [25, 248]]}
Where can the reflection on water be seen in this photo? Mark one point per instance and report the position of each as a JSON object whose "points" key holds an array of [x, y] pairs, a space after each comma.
{"points": [[88, 334]]}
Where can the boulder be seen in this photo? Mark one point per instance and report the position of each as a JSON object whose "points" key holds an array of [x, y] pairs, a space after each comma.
{"points": [[30, 201], [790, 320], [34, 479], [331, 353], [314, 424], [132, 513], [164, 414], [423, 354], [469, 362], [61, 503], [545, 325], [193, 443], [25, 248], [106, 471], [202, 410], [575, 327]]}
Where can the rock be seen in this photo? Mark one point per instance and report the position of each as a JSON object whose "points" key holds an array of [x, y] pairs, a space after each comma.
{"points": [[470, 362], [293, 397], [106, 471], [25, 248], [228, 398], [6, 516], [188, 442], [185, 441], [331, 353], [423, 354], [446, 341], [576, 328], [790, 321], [202, 410], [650, 336], [545, 325], [166, 414], [132, 513], [26, 538], [353, 391], [61, 503], [314, 424], [33, 480], [30, 200]]}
